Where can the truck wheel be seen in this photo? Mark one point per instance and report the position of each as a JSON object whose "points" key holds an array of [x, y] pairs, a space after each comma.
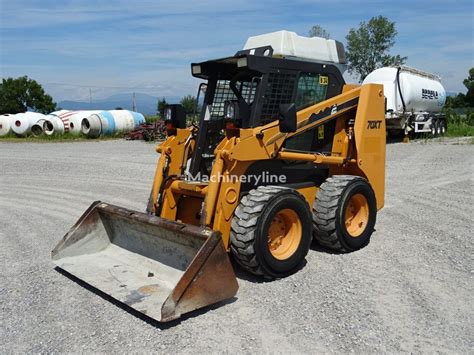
{"points": [[434, 127], [271, 231], [438, 127], [344, 213], [442, 125]]}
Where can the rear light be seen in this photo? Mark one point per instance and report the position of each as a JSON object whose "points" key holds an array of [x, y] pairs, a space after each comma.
{"points": [[236, 114], [230, 125], [175, 117]]}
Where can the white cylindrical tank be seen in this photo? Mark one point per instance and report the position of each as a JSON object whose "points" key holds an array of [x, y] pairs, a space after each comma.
{"points": [[22, 122], [75, 120], [54, 122], [289, 44], [110, 122], [420, 91], [6, 124]]}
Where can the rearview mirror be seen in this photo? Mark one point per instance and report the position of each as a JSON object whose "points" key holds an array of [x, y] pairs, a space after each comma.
{"points": [[287, 118]]}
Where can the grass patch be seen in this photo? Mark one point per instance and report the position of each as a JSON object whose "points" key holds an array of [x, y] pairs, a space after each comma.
{"points": [[56, 137], [152, 118], [460, 125], [460, 130]]}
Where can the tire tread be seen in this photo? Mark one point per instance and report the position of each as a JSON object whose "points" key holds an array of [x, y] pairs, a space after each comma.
{"points": [[325, 209], [243, 225]]}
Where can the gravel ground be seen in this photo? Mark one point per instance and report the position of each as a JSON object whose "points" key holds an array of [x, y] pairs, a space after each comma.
{"points": [[409, 290]]}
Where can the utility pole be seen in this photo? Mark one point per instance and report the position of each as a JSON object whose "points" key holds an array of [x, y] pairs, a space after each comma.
{"points": [[134, 103], [90, 97]]}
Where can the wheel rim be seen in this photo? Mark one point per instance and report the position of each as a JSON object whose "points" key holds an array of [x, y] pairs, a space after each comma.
{"points": [[284, 234], [356, 215]]}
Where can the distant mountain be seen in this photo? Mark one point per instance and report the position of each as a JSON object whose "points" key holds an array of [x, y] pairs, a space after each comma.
{"points": [[146, 104]]}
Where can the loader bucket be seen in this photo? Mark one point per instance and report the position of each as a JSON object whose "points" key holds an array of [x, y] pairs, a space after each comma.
{"points": [[160, 268]]}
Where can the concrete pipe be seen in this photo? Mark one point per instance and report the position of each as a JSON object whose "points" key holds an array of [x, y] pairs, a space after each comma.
{"points": [[126, 121], [110, 122], [92, 126], [37, 128], [55, 122], [23, 122], [6, 124], [75, 120]]}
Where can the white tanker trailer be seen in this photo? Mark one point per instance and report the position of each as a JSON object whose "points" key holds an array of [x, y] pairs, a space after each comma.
{"points": [[414, 100]]}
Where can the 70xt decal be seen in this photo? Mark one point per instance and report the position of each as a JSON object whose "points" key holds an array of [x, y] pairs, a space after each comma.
{"points": [[374, 124]]}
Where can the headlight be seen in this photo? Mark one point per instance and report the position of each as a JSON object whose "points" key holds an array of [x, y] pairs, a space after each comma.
{"points": [[196, 69]]}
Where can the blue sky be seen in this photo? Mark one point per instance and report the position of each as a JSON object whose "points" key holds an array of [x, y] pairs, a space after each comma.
{"points": [[146, 46]]}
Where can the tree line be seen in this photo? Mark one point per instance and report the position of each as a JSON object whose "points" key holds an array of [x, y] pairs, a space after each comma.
{"points": [[189, 103]]}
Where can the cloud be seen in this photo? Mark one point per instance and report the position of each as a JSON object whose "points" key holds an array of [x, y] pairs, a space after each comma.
{"points": [[147, 45]]}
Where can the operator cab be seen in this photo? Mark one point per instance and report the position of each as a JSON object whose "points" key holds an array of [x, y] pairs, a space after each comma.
{"points": [[246, 91], [253, 87]]}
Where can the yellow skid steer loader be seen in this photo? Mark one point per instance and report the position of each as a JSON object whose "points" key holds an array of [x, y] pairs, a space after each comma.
{"points": [[284, 152]]}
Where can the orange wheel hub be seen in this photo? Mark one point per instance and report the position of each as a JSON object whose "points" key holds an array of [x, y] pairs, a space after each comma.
{"points": [[284, 234], [356, 215]]}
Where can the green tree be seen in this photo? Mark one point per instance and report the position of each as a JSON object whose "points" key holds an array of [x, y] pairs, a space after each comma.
{"points": [[318, 31], [160, 107], [463, 100], [455, 101], [469, 84], [189, 103], [23, 94], [369, 45]]}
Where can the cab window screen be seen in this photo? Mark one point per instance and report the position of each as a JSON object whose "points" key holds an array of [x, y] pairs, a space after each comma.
{"points": [[279, 90], [223, 92], [312, 88]]}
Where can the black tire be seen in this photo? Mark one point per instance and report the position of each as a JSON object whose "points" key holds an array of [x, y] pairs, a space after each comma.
{"points": [[442, 126], [434, 128], [249, 232], [329, 209]]}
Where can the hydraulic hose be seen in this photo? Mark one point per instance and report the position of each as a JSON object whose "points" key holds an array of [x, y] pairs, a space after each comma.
{"points": [[400, 89]]}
